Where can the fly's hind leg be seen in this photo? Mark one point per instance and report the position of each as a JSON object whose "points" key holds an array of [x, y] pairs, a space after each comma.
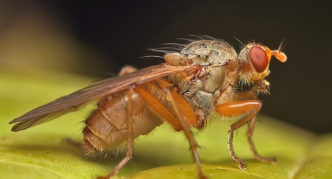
{"points": [[124, 70], [129, 153], [251, 128]]}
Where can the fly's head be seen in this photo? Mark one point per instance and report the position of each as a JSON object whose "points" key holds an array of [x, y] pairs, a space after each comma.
{"points": [[254, 61]]}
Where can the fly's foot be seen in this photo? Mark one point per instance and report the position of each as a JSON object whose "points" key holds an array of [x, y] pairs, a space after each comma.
{"points": [[241, 165]]}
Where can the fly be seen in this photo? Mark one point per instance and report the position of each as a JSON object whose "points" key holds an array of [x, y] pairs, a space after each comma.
{"points": [[202, 77]]}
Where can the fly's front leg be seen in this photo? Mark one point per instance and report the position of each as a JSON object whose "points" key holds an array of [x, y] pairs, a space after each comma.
{"points": [[251, 107], [251, 128], [245, 102], [129, 153]]}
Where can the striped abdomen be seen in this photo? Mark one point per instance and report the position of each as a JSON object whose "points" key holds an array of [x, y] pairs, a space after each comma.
{"points": [[107, 125]]}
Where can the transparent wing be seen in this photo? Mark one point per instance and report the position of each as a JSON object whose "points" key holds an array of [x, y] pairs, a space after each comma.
{"points": [[95, 91]]}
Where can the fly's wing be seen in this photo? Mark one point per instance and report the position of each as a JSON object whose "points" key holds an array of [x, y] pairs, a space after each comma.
{"points": [[98, 90]]}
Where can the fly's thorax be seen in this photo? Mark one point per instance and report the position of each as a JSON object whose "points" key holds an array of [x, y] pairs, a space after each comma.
{"points": [[202, 91], [212, 56], [209, 52]]}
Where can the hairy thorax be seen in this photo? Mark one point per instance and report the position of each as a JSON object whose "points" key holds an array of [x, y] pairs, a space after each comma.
{"points": [[202, 91]]}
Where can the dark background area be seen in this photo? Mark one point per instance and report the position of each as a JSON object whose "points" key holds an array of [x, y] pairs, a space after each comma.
{"points": [[124, 30]]}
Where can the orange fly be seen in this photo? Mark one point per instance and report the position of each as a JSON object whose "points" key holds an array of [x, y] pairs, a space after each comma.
{"points": [[203, 76]]}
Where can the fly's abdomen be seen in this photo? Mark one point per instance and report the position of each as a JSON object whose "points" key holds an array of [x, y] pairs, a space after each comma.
{"points": [[107, 125]]}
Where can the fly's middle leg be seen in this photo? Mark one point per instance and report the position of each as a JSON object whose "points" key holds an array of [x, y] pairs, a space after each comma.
{"points": [[187, 131], [185, 115]]}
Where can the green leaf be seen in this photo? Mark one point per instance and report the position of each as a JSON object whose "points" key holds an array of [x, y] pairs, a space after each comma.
{"points": [[41, 152]]}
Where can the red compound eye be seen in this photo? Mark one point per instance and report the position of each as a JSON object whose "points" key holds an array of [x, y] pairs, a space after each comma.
{"points": [[258, 58]]}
